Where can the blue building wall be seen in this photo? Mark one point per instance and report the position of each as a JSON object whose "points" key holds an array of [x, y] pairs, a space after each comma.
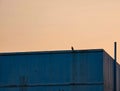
{"points": [[52, 71]]}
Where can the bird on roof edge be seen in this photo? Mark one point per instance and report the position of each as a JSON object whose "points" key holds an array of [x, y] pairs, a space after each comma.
{"points": [[72, 48]]}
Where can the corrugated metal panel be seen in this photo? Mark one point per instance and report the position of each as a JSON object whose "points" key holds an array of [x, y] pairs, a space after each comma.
{"points": [[88, 71], [55, 71], [40, 69], [88, 88], [56, 88], [118, 77], [39, 88], [86, 67], [9, 89], [108, 72]]}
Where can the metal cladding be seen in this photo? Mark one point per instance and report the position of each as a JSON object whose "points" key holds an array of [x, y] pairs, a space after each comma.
{"points": [[74, 70]]}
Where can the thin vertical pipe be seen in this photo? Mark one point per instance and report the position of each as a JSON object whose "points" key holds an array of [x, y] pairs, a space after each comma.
{"points": [[115, 71]]}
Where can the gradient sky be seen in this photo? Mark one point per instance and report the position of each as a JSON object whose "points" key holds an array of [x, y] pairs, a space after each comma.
{"points": [[40, 25]]}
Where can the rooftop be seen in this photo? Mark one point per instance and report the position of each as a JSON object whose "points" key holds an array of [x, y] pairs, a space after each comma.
{"points": [[51, 52]]}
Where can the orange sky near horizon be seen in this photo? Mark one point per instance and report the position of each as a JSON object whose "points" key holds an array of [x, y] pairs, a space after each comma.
{"points": [[40, 25]]}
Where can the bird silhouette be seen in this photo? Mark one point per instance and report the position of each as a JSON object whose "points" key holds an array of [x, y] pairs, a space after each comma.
{"points": [[72, 48]]}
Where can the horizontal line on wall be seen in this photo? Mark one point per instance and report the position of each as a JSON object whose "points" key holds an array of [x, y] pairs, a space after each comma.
{"points": [[49, 84]]}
